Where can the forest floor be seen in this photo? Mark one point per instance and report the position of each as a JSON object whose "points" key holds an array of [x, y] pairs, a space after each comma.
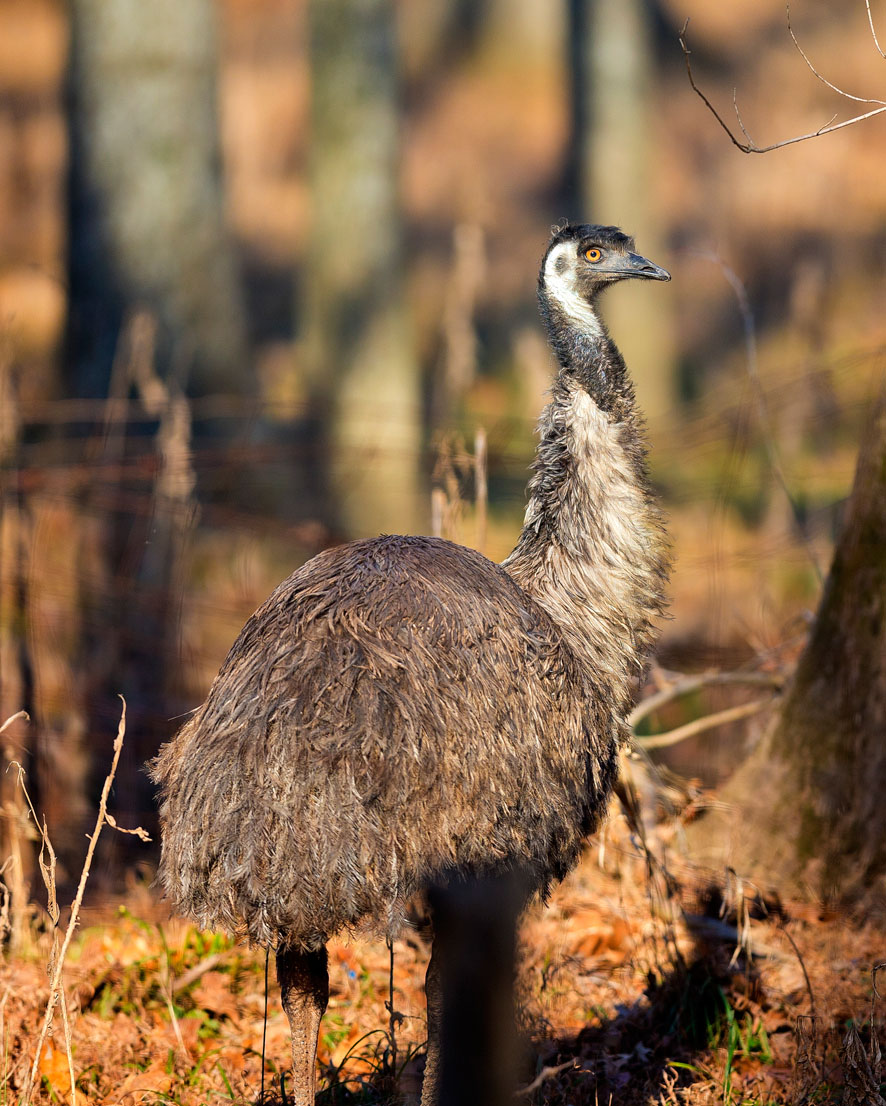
{"points": [[637, 983]]}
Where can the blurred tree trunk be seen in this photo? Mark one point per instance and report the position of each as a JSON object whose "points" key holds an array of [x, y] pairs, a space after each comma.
{"points": [[811, 796], [434, 34], [611, 172], [154, 300], [146, 206], [357, 351]]}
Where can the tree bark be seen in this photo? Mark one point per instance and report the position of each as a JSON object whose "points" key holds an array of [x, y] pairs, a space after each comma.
{"points": [[811, 796], [356, 347]]}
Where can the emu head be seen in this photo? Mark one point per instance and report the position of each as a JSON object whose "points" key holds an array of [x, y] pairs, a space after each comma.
{"points": [[581, 261]]}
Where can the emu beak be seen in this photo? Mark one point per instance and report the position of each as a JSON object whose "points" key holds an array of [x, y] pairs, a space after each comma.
{"points": [[638, 266]]}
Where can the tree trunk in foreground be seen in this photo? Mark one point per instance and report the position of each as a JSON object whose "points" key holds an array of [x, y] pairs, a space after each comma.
{"points": [[811, 796]]}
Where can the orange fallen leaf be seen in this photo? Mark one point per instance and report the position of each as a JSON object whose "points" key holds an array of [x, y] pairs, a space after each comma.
{"points": [[53, 1066]]}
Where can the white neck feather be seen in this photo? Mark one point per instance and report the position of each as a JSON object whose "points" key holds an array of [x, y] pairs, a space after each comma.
{"points": [[558, 280], [592, 550]]}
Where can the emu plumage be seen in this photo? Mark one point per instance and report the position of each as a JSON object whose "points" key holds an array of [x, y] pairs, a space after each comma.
{"points": [[402, 710], [346, 773]]}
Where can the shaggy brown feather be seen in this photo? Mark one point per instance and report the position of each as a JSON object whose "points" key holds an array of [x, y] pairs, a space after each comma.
{"points": [[336, 768]]}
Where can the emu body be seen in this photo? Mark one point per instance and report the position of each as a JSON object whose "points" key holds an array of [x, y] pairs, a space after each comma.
{"points": [[402, 711], [337, 767]]}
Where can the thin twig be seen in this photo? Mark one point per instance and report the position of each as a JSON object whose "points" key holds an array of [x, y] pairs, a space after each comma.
{"points": [[23, 714], [823, 79], [173, 1017], [166, 986], [546, 1073], [687, 684], [799, 956], [751, 147], [136, 831], [701, 725], [193, 974], [867, 4]]}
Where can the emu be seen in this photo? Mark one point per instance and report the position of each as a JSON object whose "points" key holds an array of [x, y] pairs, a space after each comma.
{"points": [[401, 711]]}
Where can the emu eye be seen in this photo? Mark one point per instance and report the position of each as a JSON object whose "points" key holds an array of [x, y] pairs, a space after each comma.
{"points": [[593, 254]]}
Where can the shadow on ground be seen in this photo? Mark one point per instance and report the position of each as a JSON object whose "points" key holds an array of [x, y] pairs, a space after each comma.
{"points": [[641, 1054]]}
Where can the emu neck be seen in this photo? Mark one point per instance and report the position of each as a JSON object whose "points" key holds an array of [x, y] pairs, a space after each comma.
{"points": [[592, 550]]}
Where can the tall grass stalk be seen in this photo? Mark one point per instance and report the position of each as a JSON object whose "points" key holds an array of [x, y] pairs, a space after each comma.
{"points": [[46, 858]]}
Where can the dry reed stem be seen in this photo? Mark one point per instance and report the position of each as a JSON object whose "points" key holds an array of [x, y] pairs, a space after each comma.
{"points": [[876, 1055], [438, 510], [69, 1049], [55, 986]]}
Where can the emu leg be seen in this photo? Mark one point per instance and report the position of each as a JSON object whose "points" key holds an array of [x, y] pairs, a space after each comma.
{"points": [[471, 1037], [304, 988], [430, 1088]]}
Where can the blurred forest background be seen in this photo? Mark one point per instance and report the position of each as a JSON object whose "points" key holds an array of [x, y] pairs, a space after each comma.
{"points": [[267, 276]]}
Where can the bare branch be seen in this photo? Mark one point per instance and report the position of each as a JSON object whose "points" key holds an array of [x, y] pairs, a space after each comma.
{"points": [[193, 974], [744, 129], [137, 831], [687, 684], [799, 955], [823, 79], [14, 718], [867, 4], [750, 146], [547, 1072], [701, 725]]}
